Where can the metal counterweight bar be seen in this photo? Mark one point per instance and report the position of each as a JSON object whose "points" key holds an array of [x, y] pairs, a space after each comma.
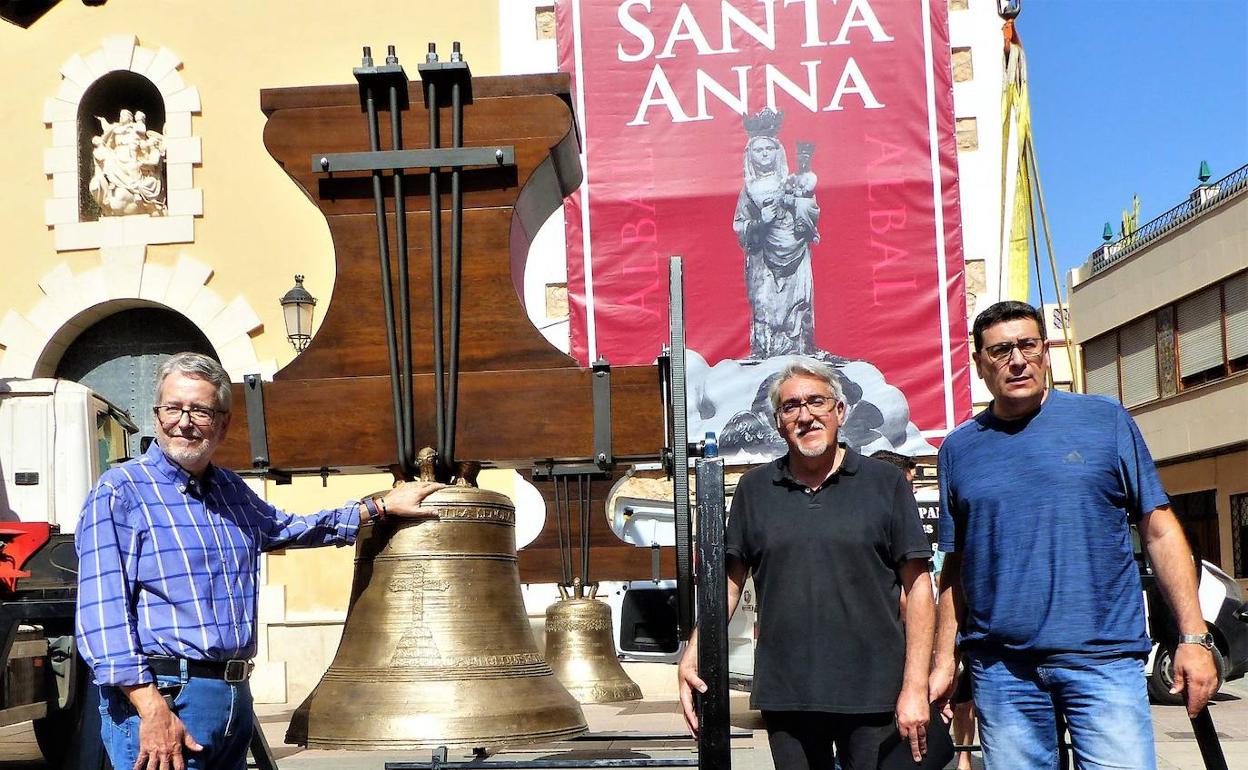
{"points": [[405, 293], [435, 236], [457, 226], [387, 299], [540, 763]]}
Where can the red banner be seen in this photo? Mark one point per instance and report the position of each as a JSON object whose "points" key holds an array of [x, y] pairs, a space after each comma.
{"points": [[799, 156]]}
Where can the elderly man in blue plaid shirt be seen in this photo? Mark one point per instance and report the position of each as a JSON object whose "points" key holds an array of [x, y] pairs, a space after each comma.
{"points": [[169, 553]]}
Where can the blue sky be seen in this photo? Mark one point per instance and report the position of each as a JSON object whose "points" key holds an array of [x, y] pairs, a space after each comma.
{"points": [[1127, 98]]}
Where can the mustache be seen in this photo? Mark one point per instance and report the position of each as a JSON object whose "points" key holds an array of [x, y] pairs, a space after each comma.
{"points": [[811, 428]]}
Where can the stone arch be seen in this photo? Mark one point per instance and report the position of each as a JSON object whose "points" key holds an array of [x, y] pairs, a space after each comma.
{"points": [[34, 342], [122, 53], [119, 355]]}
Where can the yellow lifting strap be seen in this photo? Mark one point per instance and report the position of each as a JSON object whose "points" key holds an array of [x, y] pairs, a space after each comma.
{"points": [[1028, 197]]}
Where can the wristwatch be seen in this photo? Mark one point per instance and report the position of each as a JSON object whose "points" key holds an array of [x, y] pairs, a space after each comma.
{"points": [[1204, 640]]}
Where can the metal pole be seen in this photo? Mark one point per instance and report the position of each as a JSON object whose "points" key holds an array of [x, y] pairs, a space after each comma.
{"points": [[387, 299], [435, 237], [565, 568], [586, 500], [457, 227], [1207, 740], [714, 728], [405, 294], [680, 450]]}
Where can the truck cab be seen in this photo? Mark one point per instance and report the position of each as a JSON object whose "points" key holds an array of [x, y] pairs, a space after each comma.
{"points": [[56, 438]]}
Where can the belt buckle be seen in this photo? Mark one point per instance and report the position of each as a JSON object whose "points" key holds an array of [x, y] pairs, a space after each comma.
{"points": [[237, 671]]}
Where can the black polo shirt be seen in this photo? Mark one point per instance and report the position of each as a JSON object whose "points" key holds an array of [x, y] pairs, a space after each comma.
{"points": [[826, 567]]}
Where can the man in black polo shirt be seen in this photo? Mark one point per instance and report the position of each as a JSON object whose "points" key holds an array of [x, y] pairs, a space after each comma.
{"points": [[833, 539]]}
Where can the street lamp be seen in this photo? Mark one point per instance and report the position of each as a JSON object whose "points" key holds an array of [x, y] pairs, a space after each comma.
{"points": [[297, 307]]}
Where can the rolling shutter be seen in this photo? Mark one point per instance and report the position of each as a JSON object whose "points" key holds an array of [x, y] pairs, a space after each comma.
{"points": [[1100, 363], [1139, 361], [1237, 316], [1199, 325]]}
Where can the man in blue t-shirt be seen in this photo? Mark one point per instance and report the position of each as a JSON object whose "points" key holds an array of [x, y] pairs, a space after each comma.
{"points": [[1039, 584]]}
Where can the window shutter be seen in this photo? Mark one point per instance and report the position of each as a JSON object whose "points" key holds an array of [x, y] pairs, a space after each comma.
{"points": [[1139, 361], [1237, 316], [1200, 332], [1100, 364]]}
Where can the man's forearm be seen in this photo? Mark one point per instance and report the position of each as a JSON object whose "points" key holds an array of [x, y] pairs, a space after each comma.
{"points": [[948, 611], [920, 624], [1173, 565], [146, 699]]}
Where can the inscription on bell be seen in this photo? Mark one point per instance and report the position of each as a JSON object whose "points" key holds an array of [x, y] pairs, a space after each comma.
{"points": [[499, 515], [578, 624]]}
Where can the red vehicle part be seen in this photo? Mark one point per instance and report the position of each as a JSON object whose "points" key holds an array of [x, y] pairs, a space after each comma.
{"points": [[18, 542]]}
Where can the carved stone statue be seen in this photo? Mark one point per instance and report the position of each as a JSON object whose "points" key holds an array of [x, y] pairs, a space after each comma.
{"points": [[127, 162]]}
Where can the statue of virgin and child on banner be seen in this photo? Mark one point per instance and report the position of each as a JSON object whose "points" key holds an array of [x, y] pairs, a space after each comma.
{"points": [[829, 233]]}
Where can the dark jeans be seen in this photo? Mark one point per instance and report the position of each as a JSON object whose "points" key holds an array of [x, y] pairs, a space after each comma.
{"points": [[803, 740]]}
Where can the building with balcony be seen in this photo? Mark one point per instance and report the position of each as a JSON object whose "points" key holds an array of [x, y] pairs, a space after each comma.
{"points": [[1162, 318]]}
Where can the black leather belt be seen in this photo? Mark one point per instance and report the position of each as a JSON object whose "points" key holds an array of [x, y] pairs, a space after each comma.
{"points": [[230, 670]]}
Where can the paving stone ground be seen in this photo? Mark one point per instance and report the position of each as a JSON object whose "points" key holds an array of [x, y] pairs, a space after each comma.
{"points": [[658, 712]]}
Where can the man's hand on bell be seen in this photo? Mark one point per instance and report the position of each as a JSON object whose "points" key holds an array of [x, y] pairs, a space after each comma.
{"points": [[406, 499]]}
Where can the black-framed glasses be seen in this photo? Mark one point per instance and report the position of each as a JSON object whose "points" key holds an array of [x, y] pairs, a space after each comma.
{"points": [[818, 406], [1030, 347], [170, 415]]}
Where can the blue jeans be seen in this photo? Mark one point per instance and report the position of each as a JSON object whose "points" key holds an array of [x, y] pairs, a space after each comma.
{"points": [[216, 713], [1103, 702]]}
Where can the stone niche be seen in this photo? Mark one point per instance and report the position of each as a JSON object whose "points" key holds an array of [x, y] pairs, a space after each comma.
{"points": [[122, 149]]}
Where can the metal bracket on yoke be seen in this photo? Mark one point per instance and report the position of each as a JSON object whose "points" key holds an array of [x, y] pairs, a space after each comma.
{"points": [[257, 429], [603, 456]]}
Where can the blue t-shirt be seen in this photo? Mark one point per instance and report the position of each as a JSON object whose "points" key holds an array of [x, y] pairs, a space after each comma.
{"points": [[1039, 509]]}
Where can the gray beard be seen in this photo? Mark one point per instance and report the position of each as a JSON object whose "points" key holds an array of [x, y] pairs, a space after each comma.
{"points": [[185, 457]]}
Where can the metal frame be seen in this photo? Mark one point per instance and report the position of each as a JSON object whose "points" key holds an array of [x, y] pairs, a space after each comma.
{"points": [[678, 447], [443, 84]]}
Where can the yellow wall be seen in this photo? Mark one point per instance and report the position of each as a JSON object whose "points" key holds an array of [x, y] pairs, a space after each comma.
{"points": [[1228, 474], [258, 229]]}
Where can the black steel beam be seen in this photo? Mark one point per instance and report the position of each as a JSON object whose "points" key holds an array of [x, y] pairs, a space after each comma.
{"points": [[714, 729], [391, 160]]}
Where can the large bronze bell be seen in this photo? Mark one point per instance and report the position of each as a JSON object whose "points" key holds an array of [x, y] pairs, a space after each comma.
{"points": [[437, 648], [581, 650]]}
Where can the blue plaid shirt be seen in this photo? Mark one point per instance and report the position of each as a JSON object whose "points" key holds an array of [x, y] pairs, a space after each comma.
{"points": [[169, 565]]}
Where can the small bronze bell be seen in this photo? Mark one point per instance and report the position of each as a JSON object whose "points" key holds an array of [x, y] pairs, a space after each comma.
{"points": [[580, 648]]}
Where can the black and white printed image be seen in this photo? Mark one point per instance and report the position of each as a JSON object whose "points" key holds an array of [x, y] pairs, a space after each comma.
{"points": [[777, 225]]}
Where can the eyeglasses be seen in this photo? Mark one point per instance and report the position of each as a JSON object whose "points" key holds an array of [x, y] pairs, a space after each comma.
{"points": [[818, 406], [1031, 348], [170, 415]]}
